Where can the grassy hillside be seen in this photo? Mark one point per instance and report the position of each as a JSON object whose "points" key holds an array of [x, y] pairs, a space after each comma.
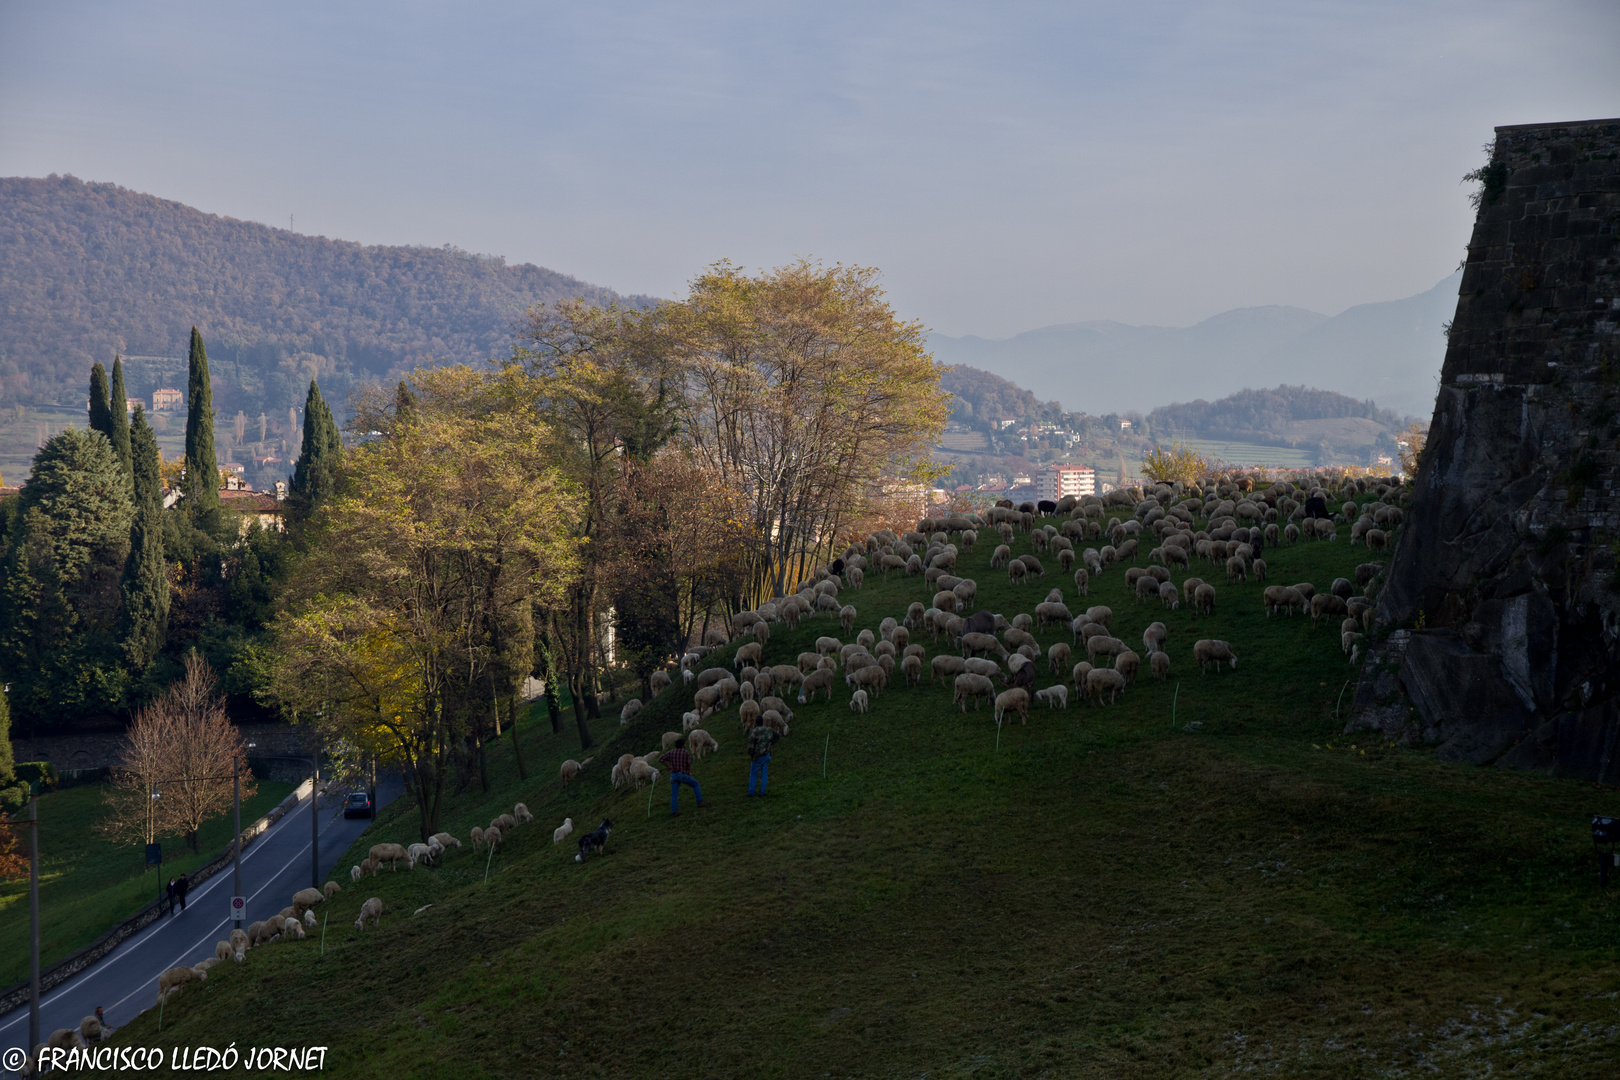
{"points": [[1203, 879]]}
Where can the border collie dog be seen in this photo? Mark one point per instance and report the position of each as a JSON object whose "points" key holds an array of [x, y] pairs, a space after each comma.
{"points": [[595, 840]]}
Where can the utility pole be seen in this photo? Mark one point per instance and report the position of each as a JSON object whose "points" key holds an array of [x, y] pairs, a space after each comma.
{"points": [[33, 921], [315, 820], [236, 856]]}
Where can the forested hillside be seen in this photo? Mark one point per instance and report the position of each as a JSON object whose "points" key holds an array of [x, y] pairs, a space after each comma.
{"points": [[1297, 416], [89, 269]]}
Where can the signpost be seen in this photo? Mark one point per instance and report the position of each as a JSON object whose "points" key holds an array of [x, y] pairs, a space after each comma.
{"points": [[238, 909]]}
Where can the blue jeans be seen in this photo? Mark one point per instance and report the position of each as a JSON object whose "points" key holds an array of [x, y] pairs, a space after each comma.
{"points": [[759, 769], [676, 779]]}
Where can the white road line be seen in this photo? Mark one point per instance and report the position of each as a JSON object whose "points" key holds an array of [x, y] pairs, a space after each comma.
{"points": [[127, 948]]}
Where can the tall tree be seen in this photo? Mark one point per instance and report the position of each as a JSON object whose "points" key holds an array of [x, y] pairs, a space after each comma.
{"points": [[145, 585], [202, 467], [315, 473], [100, 401], [118, 405]]}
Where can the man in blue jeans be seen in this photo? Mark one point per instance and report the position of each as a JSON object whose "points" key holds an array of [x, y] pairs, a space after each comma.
{"points": [[760, 741], [679, 763]]}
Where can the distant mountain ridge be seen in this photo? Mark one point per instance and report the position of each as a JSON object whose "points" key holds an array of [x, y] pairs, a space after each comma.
{"points": [[87, 269], [1389, 352]]}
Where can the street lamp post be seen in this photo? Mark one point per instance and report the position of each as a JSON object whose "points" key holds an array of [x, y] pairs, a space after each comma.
{"points": [[314, 813], [236, 854]]}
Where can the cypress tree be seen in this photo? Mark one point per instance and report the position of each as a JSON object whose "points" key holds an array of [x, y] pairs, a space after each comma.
{"points": [[315, 474], [118, 404], [100, 402], [145, 584], [202, 468]]}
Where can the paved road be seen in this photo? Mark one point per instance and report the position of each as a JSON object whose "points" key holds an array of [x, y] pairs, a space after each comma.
{"points": [[274, 866]]}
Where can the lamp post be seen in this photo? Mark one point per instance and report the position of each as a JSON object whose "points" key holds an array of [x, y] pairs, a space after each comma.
{"points": [[314, 810], [236, 853]]}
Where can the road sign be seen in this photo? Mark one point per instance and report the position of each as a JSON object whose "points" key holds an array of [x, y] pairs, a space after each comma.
{"points": [[238, 908]]}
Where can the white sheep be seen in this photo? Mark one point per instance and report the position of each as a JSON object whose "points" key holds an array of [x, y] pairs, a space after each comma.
{"points": [[239, 944], [659, 681], [170, 982], [223, 950], [304, 899], [292, 929], [419, 853], [858, 702], [1160, 663], [520, 814], [1056, 697], [673, 737], [444, 840], [1210, 651], [563, 831], [1104, 680], [569, 770], [1015, 700], [331, 889], [392, 854], [370, 911], [309, 918], [477, 834], [628, 713], [700, 742], [355, 874], [690, 720]]}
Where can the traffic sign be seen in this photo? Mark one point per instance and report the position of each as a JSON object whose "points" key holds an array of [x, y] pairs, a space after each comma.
{"points": [[238, 908]]}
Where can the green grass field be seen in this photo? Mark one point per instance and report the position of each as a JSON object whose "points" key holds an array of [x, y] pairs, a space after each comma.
{"points": [[1205, 879], [88, 884]]}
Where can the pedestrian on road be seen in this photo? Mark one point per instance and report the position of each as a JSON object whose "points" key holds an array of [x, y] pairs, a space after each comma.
{"points": [[760, 741], [171, 892], [180, 889], [679, 763]]}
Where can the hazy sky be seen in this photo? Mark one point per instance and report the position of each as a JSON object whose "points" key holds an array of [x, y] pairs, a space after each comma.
{"points": [[1007, 165]]}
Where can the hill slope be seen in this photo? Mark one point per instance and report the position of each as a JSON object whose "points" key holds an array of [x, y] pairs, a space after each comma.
{"points": [[1202, 879], [87, 269], [1390, 352]]}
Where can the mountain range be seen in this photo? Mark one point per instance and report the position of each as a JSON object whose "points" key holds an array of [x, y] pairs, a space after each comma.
{"points": [[1388, 352]]}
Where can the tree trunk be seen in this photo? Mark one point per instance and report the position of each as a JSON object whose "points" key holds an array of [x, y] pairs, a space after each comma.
{"points": [[581, 720], [517, 747], [553, 707]]}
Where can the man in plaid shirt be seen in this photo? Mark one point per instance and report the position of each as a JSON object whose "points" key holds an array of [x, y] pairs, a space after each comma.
{"points": [[678, 761]]}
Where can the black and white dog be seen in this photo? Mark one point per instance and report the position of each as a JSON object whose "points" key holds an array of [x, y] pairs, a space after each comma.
{"points": [[594, 840]]}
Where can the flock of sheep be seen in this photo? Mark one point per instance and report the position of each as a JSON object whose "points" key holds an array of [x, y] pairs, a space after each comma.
{"points": [[999, 660]]}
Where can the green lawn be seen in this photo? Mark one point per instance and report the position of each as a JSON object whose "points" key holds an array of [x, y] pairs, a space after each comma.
{"points": [[1111, 893], [87, 884]]}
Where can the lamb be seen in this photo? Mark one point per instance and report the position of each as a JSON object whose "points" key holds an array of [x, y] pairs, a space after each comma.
{"points": [[1104, 680], [858, 702], [1127, 663], [291, 930], [331, 889], [1056, 697], [304, 899], [1204, 600], [1160, 663], [968, 685], [700, 742], [563, 831], [170, 982], [628, 713], [1014, 700], [419, 853], [1209, 651], [370, 911], [392, 854], [820, 679]]}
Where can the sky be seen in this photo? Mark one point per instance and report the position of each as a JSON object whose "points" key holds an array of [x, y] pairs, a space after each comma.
{"points": [[1007, 166]]}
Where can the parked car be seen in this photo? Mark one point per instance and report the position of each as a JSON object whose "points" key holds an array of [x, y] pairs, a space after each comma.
{"points": [[358, 804]]}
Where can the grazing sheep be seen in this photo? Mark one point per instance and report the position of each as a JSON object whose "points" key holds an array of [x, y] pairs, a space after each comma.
{"points": [[820, 679], [505, 823], [563, 831], [1204, 600], [1014, 700], [419, 853], [747, 713], [1209, 651], [492, 835], [872, 679], [858, 702], [239, 944], [846, 617], [911, 668], [946, 666], [1079, 678], [1104, 680], [1349, 640], [672, 737], [477, 834], [91, 1029], [1056, 697], [1342, 588], [292, 930], [1327, 604], [1153, 637], [825, 646], [1127, 663], [355, 873], [223, 950], [205, 966], [370, 911], [444, 840], [169, 984], [1014, 637], [1102, 645], [1160, 663], [628, 713], [304, 899], [1259, 568], [331, 889], [1236, 569], [747, 654], [1057, 656], [392, 854], [700, 742], [968, 685]]}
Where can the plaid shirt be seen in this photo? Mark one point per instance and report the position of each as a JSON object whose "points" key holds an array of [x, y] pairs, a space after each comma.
{"points": [[676, 760], [760, 741]]}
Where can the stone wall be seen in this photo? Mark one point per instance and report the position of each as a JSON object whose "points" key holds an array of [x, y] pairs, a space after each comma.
{"points": [[1504, 572], [100, 750]]}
